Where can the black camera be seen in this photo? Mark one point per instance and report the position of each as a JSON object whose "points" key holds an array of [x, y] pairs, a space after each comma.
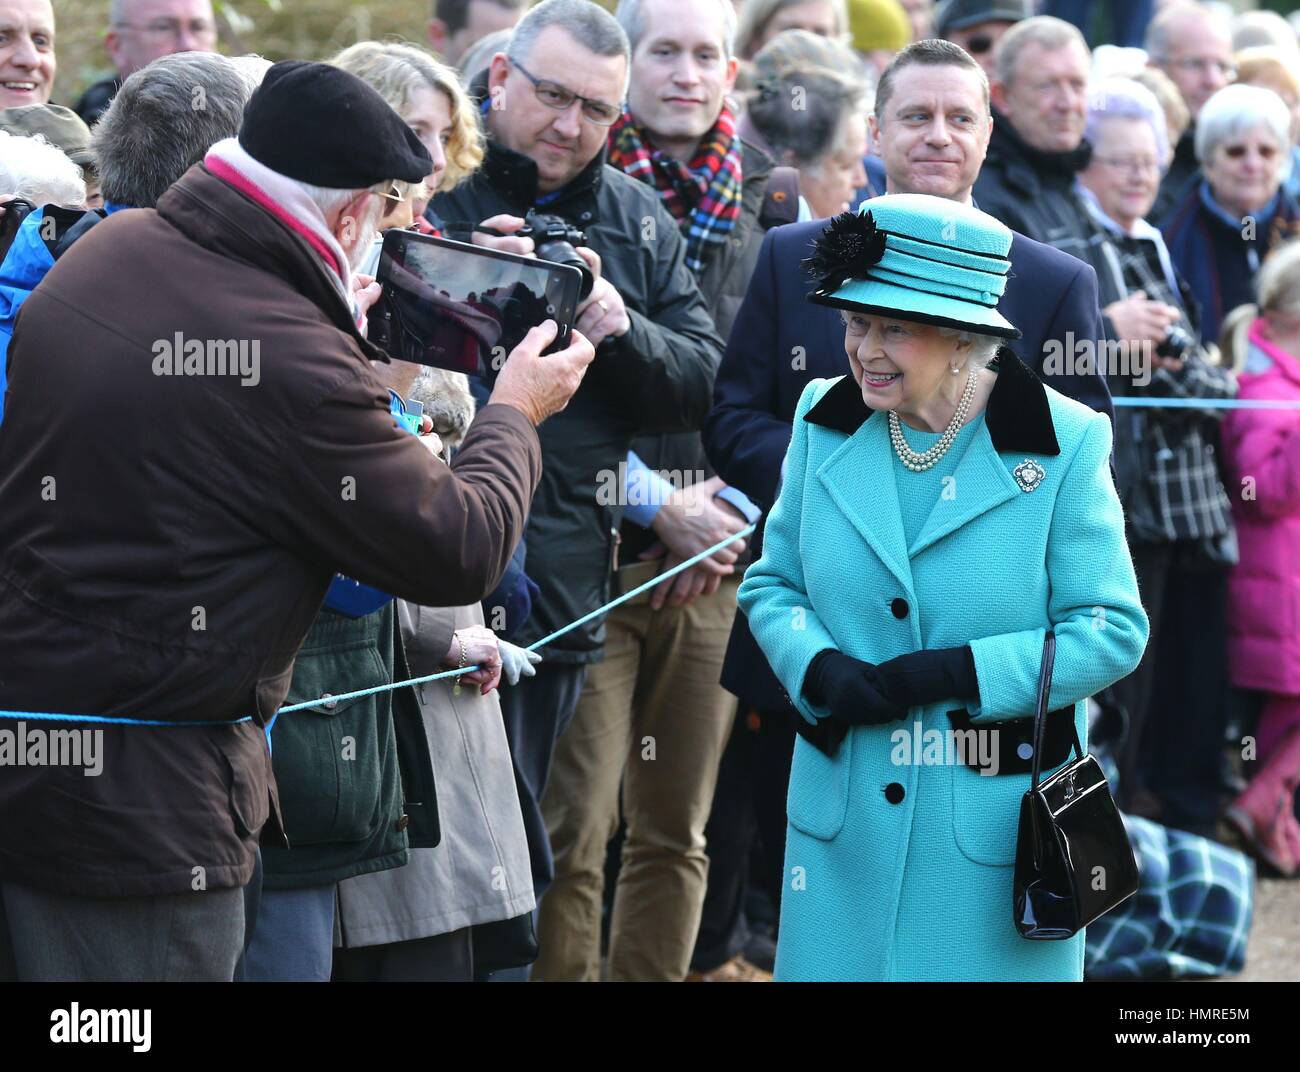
{"points": [[554, 240], [1177, 343], [16, 211]]}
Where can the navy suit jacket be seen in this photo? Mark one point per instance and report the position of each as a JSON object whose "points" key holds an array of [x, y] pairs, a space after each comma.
{"points": [[780, 341]]}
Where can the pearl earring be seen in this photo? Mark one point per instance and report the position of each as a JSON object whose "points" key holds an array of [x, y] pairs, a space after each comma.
{"points": [[955, 369]]}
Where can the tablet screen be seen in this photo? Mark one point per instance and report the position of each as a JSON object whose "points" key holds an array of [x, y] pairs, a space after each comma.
{"points": [[462, 307]]}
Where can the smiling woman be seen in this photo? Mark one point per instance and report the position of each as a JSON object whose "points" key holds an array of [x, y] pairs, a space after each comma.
{"points": [[974, 515], [27, 63]]}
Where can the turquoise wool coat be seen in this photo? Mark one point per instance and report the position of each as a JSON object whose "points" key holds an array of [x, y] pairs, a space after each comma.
{"points": [[894, 869]]}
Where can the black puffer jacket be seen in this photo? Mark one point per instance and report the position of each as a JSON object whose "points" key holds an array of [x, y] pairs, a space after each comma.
{"points": [[657, 377]]}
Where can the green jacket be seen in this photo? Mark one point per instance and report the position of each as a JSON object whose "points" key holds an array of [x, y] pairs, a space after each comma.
{"points": [[355, 777]]}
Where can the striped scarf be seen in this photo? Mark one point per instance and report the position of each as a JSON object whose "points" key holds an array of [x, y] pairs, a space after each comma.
{"points": [[703, 196]]}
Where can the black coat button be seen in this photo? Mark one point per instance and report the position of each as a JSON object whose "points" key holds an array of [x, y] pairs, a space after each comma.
{"points": [[894, 793], [899, 607]]}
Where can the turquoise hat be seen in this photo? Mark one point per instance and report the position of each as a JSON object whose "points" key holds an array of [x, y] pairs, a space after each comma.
{"points": [[918, 258]]}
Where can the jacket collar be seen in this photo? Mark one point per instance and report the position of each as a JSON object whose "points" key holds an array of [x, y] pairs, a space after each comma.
{"points": [[217, 216], [1018, 415], [1034, 167]]}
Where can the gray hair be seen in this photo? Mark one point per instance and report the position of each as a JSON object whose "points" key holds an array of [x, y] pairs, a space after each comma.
{"points": [[631, 17], [1162, 30], [1252, 28], [38, 172], [807, 134], [984, 348], [594, 28], [163, 120], [1045, 31], [756, 14], [252, 68], [479, 55], [1237, 109], [1123, 98]]}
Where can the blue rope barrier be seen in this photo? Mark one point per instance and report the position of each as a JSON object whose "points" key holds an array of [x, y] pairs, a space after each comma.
{"points": [[1141, 402], [289, 709]]}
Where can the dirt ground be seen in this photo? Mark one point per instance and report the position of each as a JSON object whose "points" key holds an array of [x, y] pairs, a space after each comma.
{"points": [[1274, 951]]}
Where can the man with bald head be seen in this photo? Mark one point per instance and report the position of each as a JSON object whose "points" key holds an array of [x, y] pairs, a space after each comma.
{"points": [[141, 31], [1193, 46], [27, 63]]}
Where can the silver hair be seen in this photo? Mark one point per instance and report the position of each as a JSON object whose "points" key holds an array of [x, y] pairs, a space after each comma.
{"points": [[594, 28], [1123, 98], [1045, 31], [328, 199], [984, 348], [631, 16], [252, 68], [37, 171], [1236, 109], [1253, 28], [163, 120], [479, 55]]}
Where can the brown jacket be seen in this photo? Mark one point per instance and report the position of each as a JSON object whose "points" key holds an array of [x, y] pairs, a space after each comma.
{"points": [[166, 540]]}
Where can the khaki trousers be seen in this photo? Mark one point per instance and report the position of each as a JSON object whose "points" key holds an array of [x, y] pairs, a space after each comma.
{"points": [[654, 719]]}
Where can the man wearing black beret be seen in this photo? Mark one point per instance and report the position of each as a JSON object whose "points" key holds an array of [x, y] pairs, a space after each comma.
{"points": [[243, 453]]}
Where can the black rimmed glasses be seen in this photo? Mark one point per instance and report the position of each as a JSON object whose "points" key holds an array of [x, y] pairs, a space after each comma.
{"points": [[559, 97]]}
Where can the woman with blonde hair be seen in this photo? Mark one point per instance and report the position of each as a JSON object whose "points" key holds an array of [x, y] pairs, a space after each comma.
{"points": [[1262, 447], [463, 909], [428, 96]]}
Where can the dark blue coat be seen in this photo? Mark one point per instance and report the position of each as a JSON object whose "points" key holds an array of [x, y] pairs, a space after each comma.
{"points": [[781, 341]]}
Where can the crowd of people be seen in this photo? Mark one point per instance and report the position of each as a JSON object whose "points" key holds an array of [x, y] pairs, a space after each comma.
{"points": [[1066, 270]]}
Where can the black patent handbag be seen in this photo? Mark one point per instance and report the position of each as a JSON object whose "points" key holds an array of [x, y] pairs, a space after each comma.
{"points": [[1074, 862]]}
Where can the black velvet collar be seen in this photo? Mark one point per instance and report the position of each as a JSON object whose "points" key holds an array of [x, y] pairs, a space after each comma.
{"points": [[1018, 416]]}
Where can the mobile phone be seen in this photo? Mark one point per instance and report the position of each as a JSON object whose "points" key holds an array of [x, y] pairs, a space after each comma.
{"points": [[462, 307]]}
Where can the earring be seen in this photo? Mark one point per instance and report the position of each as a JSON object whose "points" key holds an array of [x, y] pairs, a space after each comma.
{"points": [[955, 369]]}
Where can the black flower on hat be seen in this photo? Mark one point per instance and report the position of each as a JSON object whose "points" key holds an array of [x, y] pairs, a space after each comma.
{"points": [[848, 247]]}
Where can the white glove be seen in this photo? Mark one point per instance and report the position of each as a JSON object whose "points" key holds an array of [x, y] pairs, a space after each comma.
{"points": [[516, 662]]}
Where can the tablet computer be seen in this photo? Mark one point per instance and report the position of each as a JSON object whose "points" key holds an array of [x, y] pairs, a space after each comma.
{"points": [[463, 307]]}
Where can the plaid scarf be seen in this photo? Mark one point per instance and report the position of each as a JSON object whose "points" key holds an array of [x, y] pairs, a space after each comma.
{"points": [[703, 196]]}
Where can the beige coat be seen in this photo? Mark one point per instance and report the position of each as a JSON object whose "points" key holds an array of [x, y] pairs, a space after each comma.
{"points": [[480, 871]]}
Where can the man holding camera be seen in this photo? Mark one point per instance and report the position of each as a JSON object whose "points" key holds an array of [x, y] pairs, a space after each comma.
{"points": [[548, 105], [159, 596]]}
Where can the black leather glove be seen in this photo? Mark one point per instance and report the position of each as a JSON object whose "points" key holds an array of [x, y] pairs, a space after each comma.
{"points": [[850, 688], [926, 677]]}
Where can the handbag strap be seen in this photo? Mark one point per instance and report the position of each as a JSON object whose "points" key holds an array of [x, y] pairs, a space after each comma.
{"points": [[1040, 708]]}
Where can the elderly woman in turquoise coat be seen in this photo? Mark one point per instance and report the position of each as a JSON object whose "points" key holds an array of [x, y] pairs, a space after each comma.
{"points": [[941, 510]]}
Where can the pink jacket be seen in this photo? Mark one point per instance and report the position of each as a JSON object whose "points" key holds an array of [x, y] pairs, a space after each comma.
{"points": [[1262, 452]]}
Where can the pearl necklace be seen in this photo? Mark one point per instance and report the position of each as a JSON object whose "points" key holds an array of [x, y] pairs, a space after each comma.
{"points": [[919, 462]]}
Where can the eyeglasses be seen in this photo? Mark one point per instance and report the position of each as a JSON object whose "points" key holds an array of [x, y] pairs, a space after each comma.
{"points": [[1204, 66], [556, 96], [393, 193], [1236, 152], [170, 29], [1123, 163]]}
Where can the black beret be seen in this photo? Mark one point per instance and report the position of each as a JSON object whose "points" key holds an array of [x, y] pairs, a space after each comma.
{"points": [[321, 125]]}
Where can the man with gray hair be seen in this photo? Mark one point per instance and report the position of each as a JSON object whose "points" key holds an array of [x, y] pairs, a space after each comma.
{"points": [[149, 137], [548, 103], [664, 656], [1040, 107], [1193, 46], [141, 31], [163, 592]]}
